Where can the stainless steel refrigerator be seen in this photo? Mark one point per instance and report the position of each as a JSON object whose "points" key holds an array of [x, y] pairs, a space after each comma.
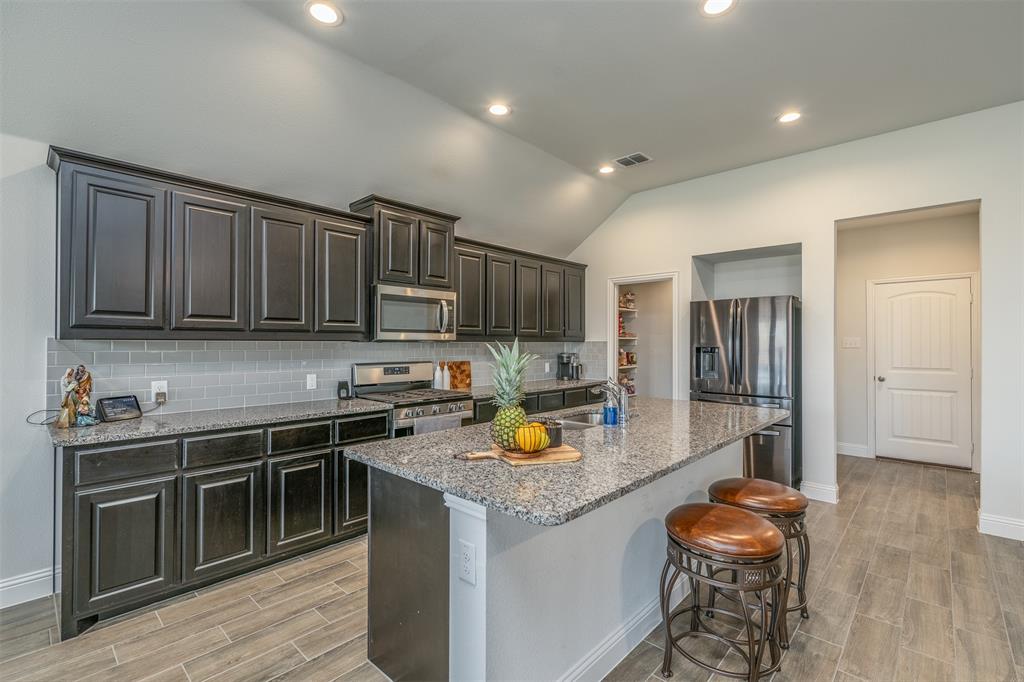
{"points": [[746, 351]]}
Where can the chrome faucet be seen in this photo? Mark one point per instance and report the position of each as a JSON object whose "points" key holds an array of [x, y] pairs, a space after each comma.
{"points": [[618, 392]]}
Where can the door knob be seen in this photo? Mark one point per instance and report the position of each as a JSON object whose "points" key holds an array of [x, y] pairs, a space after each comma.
{"points": [[881, 379]]}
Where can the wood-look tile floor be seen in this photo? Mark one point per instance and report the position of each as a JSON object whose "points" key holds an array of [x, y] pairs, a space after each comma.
{"points": [[902, 588], [304, 619]]}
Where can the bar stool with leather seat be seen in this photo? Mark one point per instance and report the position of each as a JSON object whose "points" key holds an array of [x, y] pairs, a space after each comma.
{"points": [[786, 508], [731, 549]]}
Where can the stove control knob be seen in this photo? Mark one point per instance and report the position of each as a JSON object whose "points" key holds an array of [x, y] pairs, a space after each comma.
{"points": [[408, 413], [435, 409], [453, 407], [460, 407], [419, 411]]}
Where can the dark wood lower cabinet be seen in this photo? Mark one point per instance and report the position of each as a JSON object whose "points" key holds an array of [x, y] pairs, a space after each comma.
{"points": [[223, 524], [299, 512], [124, 544], [351, 497]]}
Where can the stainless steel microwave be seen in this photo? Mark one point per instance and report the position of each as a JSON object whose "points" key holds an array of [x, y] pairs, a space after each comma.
{"points": [[410, 314]]}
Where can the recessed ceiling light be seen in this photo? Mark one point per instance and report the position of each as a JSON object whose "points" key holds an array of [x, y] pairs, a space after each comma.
{"points": [[325, 13], [606, 169], [500, 109], [789, 117], [716, 8]]}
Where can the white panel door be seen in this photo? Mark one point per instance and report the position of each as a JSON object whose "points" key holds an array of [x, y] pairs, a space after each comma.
{"points": [[923, 370]]}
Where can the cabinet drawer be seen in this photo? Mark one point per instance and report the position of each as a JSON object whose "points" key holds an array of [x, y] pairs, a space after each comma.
{"points": [[595, 396], [226, 447], [125, 461], [361, 427], [299, 437], [551, 401], [485, 411], [576, 397], [531, 403]]}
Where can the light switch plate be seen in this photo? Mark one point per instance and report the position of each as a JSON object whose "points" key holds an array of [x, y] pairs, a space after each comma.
{"points": [[851, 342], [311, 381]]}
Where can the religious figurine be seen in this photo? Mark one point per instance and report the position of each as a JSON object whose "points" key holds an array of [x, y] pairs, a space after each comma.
{"points": [[68, 416], [84, 389]]}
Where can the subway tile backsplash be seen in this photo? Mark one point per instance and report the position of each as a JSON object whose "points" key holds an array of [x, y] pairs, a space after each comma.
{"points": [[205, 375]]}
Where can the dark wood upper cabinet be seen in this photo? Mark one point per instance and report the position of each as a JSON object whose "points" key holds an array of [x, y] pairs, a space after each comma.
{"points": [[553, 305], [342, 294], [124, 540], [575, 313], [436, 254], [282, 269], [111, 250], [209, 249], [470, 290], [224, 527], [413, 245], [300, 512], [501, 295], [398, 239], [528, 297]]}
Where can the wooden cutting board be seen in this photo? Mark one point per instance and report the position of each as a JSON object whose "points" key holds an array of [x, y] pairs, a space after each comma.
{"points": [[462, 374], [563, 453]]}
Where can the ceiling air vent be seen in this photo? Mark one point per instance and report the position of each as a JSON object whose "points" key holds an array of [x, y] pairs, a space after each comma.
{"points": [[632, 160]]}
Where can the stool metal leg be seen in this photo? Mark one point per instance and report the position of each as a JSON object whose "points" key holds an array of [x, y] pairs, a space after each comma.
{"points": [[804, 545], [784, 605], [667, 585]]}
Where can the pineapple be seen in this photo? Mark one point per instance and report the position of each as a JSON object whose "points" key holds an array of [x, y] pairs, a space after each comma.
{"points": [[508, 368]]}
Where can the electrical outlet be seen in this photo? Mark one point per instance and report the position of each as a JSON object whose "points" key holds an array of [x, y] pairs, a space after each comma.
{"points": [[157, 387], [547, 367], [310, 381], [851, 342], [467, 562]]}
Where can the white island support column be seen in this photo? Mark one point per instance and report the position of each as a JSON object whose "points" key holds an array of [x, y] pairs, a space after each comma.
{"points": [[564, 602]]}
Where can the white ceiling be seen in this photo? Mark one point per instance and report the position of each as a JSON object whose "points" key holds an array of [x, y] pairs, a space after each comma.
{"points": [[593, 80]]}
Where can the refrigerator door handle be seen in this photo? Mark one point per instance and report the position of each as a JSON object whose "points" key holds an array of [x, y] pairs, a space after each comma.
{"points": [[767, 433]]}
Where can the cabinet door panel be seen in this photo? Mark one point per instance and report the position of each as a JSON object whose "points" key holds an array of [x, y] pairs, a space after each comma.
{"points": [[223, 524], [282, 269], [209, 243], [116, 250], [398, 246], [552, 300], [351, 495], [435, 252], [575, 303], [469, 286], [501, 295], [528, 297], [124, 543], [299, 513], [341, 290]]}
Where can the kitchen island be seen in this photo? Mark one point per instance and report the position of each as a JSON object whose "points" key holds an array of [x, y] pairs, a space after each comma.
{"points": [[481, 570]]}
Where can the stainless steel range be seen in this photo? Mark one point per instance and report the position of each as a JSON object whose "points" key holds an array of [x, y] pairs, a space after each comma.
{"points": [[406, 386]]}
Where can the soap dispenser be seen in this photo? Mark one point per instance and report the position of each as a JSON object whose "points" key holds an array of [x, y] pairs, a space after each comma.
{"points": [[446, 378], [438, 377]]}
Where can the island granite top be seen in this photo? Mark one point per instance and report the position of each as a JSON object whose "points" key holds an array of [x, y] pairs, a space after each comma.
{"points": [[539, 386], [661, 437], [154, 425]]}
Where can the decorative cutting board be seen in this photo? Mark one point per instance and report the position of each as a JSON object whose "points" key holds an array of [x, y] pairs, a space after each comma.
{"points": [[563, 453], [462, 374]]}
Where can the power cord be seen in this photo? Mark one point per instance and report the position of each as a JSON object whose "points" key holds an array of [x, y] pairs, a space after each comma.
{"points": [[45, 420]]}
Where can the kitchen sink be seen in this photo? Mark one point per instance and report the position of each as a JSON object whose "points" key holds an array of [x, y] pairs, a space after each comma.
{"points": [[582, 421]]}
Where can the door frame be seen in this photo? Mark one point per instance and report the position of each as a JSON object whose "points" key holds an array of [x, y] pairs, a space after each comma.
{"points": [[611, 320], [869, 355]]}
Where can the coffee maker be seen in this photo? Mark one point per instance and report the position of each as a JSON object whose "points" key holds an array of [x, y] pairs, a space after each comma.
{"points": [[569, 366]]}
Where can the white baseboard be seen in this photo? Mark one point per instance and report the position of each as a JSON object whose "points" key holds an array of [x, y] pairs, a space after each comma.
{"points": [[26, 587], [823, 492], [603, 658], [853, 449], [1003, 526]]}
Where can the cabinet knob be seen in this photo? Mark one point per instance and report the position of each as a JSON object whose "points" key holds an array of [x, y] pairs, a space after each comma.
{"points": [[881, 380]]}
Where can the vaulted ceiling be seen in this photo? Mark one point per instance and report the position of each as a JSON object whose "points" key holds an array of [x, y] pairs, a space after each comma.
{"points": [[592, 80]]}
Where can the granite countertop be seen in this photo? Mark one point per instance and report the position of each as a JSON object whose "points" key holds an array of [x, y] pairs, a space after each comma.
{"points": [[155, 424], [661, 437], [540, 386]]}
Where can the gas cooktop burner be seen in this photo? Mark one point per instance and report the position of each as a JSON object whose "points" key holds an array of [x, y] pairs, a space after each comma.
{"points": [[416, 396]]}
